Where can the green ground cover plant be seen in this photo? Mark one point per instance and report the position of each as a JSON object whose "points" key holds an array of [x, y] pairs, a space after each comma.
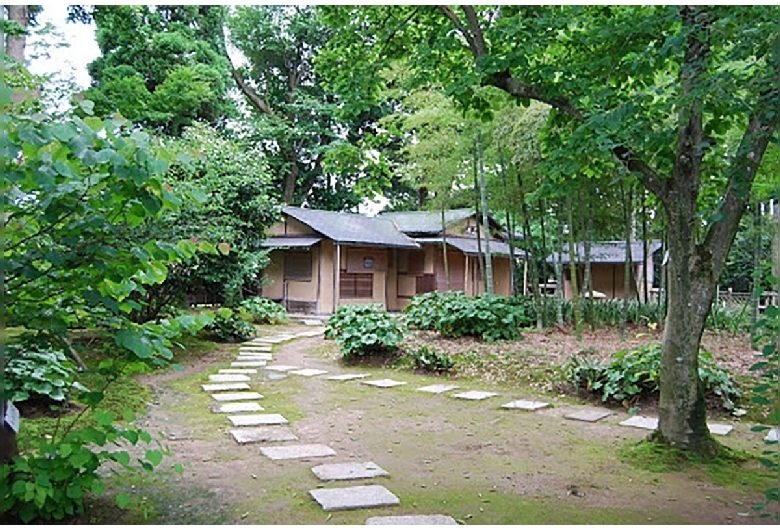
{"points": [[364, 331], [634, 372]]}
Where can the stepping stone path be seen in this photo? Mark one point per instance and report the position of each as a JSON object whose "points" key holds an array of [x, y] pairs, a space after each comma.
{"points": [[236, 396], [286, 452], [308, 372], [591, 416], [263, 434], [258, 419], [384, 383], [217, 387], [349, 471], [228, 378], [334, 499], [526, 405], [241, 408], [408, 520], [644, 422], [438, 389], [237, 364], [281, 367], [348, 377], [474, 395]]}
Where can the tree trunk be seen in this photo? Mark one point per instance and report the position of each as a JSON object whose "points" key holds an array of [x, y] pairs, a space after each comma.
{"points": [[576, 298], [16, 44], [560, 294], [485, 220], [682, 407], [444, 250]]}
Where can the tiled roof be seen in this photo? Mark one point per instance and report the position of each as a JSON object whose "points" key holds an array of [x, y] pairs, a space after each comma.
{"points": [[469, 246], [425, 223], [352, 229], [608, 252]]}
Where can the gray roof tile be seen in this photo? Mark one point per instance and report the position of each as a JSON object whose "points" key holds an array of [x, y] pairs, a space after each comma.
{"points": [[352, 229]]}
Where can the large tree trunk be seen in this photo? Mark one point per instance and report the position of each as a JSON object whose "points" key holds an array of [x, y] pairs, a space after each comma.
{"points": [[682, 406], [15, 44]]}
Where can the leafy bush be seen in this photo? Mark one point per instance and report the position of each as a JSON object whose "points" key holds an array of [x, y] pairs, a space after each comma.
{"points": [[634, 372], [52, 483], [424, 310], [263, 311], [40, 375], [229, 327], [364, 330], [453, 314], [767, 395], [431, 361]]}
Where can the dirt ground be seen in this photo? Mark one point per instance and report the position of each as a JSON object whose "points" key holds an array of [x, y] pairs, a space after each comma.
{"points": [[472, 460]]}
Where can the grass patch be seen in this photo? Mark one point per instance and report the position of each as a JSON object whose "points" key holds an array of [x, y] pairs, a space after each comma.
{"points": [[731, 468]]}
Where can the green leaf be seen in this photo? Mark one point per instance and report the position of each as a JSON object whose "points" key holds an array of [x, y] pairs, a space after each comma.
{"points": [[123, 500]]}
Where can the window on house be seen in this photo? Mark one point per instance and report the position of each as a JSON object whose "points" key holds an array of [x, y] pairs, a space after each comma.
{"points": [[356, 285], [297, 266]]}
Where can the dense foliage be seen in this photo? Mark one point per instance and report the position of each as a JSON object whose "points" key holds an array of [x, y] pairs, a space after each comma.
{"points": [[38, 375], [233, 180], [364, 330], [160, 66], [228, 326], [453, 314], [263, 311], [75, 190], [634, 373]]}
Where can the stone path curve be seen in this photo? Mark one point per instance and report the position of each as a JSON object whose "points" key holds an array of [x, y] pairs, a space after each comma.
{"points": [[231, 389]]}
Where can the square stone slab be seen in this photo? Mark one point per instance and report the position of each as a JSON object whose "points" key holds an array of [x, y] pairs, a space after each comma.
{"points": [[384, 383], [258, 419], [287, 452], [438, 389], [240, 406], [590, 416], [308, 372], [239, 364], [474, 395], [356, 497], [526, 405], [412, 520], [255, 356], [218, 387], [281, 367], [348, 377], [236, 396], [228, 378], [263, 434], [259, 348], [349, 471], [720, 429], [238, 371], [641, 422]]}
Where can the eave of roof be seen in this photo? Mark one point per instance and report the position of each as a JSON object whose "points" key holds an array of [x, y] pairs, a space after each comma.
{"points": [[352, 229], [290, 242], [470, 247]]}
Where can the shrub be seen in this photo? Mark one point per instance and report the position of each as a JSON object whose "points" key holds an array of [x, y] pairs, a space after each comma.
{"points": [[53, 482], [227, 326], [489, 317], [264, 311], [364, 330], [634, 372], [431, 361], [453, 314], [38, 375]]}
